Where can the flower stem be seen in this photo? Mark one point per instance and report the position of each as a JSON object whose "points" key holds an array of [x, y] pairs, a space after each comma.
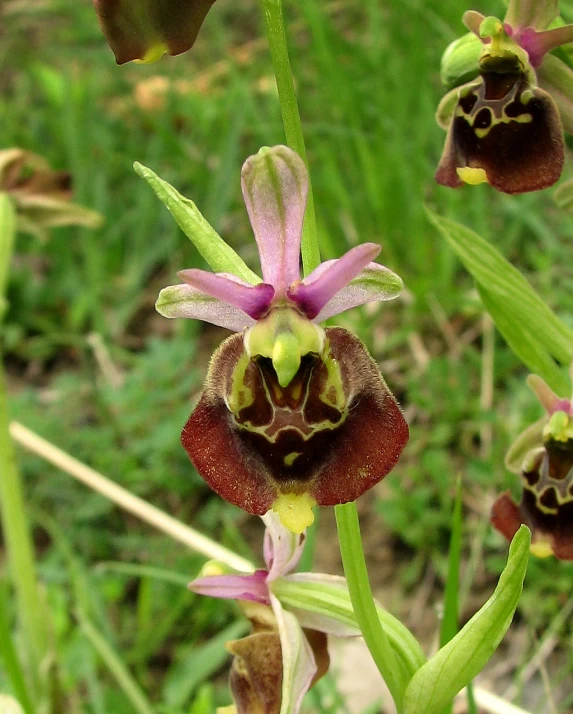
{"points": [[19, 547], [275, 29], [363, 602]]}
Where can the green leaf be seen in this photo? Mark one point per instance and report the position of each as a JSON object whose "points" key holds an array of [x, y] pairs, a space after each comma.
{"points": [[331, 600], [218, 254], [532, 330], [437, 682]]}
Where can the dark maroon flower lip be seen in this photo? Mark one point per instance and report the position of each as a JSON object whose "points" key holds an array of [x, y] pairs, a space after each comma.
{"points": [[329, 434], [505, 132], [144, 30]]}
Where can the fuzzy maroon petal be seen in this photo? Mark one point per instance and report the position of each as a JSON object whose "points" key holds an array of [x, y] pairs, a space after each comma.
{"points": [[133, 28], [297, 439], [518, 144]]}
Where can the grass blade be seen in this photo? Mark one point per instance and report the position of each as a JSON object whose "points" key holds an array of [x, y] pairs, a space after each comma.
{"points": [[116, 667]]}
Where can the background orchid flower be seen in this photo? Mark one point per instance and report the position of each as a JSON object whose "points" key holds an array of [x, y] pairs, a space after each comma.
{"points": [[277, 664], [506, 126], [543, 456], [292, 415], [144, 30]]}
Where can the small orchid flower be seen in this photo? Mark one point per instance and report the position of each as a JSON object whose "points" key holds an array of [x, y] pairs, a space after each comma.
{"points": [[543, 456], [292, 415], [505, 127], [277, 664], [144, 30]]}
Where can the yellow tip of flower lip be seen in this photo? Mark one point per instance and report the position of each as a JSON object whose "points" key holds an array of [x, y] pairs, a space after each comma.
{"points": [[153, 54], [295, 510], [232, 709], [541, 549], [472, 176]]}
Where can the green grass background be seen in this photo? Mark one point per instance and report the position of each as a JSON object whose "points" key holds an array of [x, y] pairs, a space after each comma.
{"points": [[367, 75]]}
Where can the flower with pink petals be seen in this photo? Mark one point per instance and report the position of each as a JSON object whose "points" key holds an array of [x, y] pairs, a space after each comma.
{"points": [[292, 414], [543, 456], [286, 653], [506, 127]]}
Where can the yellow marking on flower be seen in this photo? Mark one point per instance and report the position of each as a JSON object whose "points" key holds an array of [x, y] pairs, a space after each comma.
{"points": [[559, 428], [333, 383], [289, 459], [472, 176], [231, 709], [541, 549], [212, 568], [153, 54], [240, 396], [295, 510]]}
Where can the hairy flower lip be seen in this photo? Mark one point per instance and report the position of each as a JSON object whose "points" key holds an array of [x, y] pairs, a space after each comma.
{"points": [[336, 465], [143, 30]]}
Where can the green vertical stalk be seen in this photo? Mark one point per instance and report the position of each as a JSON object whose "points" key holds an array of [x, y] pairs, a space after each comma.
{"points": [[19, 549], [346, 515], [363, 602], [275, 29]]}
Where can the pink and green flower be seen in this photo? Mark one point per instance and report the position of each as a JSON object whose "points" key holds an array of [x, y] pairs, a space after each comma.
{"points": [[506, 127], [292, 414]]}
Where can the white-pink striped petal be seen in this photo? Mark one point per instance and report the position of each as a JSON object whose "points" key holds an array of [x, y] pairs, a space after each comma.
{"points": [[275, 187], [185, 301]]}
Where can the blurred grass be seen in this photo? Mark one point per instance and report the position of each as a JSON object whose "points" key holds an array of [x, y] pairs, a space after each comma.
{"points": [[368, 85]]}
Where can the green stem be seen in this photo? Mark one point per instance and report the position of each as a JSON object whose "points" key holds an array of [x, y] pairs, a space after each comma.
{"points": [[275, 29], [363, 602], [19, 548]]}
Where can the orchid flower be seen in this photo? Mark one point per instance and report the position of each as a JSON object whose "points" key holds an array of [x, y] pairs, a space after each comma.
{"points": [[277, 664], [292, 415], [506, 127], [543, 456], [144, 30]]}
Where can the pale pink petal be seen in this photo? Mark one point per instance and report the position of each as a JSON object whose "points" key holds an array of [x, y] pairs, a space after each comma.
{"points": [[538, 14], [275, 187], [314, 292], [252, 299], [538, 44], [299, 666], [282, 548], [547, 397], [374, 283], [185, 301], [473, 20], [234, 587]]}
